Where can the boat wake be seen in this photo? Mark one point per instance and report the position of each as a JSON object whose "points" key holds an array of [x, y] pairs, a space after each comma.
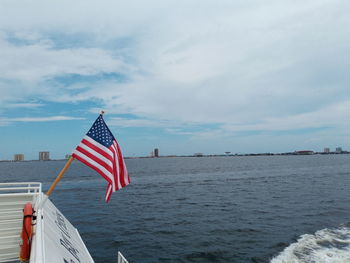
{"points": [[325, 246]]}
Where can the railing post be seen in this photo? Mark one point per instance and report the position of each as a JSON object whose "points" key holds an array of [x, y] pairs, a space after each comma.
{"points": [[121, 258]]}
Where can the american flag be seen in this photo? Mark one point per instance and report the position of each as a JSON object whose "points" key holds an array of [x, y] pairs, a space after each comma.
{"points": [[100, 151]]}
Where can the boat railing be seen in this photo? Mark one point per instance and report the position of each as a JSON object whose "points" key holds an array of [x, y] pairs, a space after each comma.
{"points": [[121, 258], [20, 188], [13, 196]]}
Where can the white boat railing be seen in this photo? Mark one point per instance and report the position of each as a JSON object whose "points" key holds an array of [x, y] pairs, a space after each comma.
{"points": [[20, 188], [121, 258], [13, 196]]}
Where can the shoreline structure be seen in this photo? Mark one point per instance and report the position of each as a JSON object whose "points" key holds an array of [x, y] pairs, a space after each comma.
{"points": [[209, 155]]}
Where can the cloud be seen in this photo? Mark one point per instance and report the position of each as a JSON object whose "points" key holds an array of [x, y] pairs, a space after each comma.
{"points": [[123, 122], [239, 65], [24, 105], [38, 61], [28, 71], [329, 117], [7, 121]]}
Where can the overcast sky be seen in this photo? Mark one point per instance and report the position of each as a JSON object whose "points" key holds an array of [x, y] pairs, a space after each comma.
{"points": [[183, 76]]}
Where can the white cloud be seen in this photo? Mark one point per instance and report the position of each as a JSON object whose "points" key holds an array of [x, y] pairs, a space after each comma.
{"points": [[30, 70], [7, 121], [24, 105], [329, 117], [244, 65], [37, 62], [123, 122]]}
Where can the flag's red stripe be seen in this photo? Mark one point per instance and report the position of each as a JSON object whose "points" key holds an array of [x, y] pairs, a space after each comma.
{"points": [[125, 170], [93, 167], [95, 158], [121, 165], [97, 149], [126, 173]]}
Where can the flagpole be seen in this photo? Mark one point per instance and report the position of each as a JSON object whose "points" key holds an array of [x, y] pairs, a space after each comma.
{"points": [[59, 176]]}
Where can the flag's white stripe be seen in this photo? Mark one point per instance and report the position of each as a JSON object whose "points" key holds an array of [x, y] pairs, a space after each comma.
{"points": [[97, 165], [108, 192], [98, 155], [99, 145], [114, 182], [117, 185], [116, 160]]}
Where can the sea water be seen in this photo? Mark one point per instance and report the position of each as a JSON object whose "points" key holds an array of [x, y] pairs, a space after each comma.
{"points": [[277, 209]]}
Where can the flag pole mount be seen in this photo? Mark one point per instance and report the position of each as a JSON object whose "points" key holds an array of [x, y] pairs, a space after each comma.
{"points": [[102, 112]]}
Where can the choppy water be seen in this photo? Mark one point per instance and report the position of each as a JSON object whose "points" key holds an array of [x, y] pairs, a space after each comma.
{"points": [[228, 209]]}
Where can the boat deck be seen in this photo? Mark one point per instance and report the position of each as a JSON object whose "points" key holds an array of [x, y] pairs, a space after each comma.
{"points": [[13, 197]]}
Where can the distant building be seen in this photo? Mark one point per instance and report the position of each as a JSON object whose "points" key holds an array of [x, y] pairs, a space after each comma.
{"points": [[198, 155], [68, 156], [156, 152], [44, 156], [326, 150], [338, 150], [18, 157]]}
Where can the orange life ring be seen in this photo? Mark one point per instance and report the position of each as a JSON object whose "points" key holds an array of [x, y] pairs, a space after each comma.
{"points": [[27, 232]]}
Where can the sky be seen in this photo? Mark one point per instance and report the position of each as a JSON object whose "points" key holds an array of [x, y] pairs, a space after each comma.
{"points": [[244, 76]]}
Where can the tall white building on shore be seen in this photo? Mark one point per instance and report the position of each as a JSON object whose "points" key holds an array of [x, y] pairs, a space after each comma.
{"points": [[18, 157], [44, 156], [338, 150]]}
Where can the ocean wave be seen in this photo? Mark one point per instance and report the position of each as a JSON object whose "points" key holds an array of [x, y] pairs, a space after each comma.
{"points": [[325, 246]]}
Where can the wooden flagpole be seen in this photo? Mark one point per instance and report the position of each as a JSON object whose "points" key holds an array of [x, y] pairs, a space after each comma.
{"points": [[59, 176]]}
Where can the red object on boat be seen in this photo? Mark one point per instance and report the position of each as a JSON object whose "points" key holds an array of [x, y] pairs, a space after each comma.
{"points": [[27, 232]]}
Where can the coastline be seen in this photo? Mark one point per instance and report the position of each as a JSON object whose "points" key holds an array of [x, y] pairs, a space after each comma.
{"points": [[207, 156]]}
